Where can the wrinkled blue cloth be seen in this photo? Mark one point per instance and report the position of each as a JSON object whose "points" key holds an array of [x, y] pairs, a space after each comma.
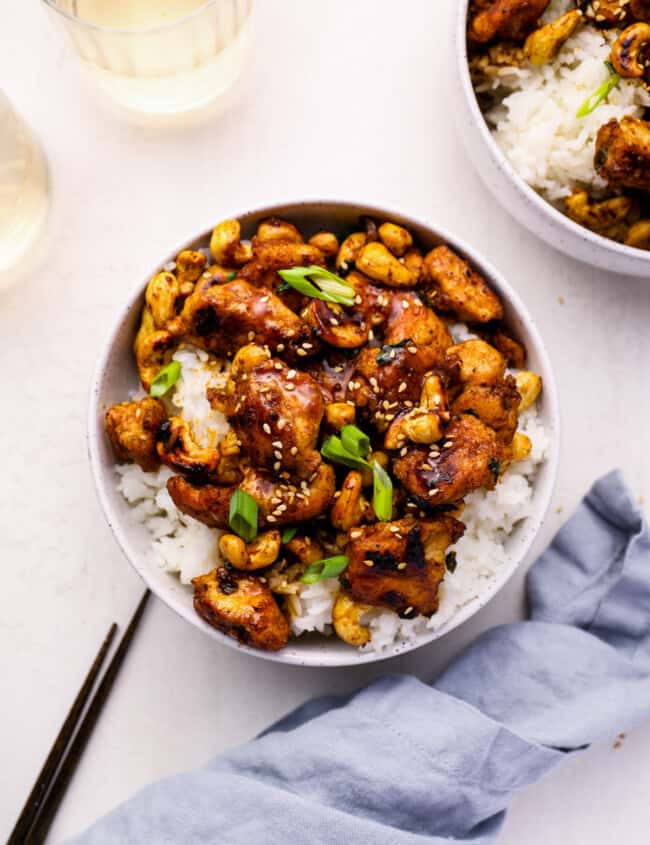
{"points": [[400, 762]]}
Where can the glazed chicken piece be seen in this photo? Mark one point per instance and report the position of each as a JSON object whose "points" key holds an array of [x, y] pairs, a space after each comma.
{"points": [[470, 457], [608, 12], [224, 318], [454, 286], [178, 450], [374, 302], [400, 564], [610, 217], [495, 404], [133, 428], [389, 378], [410, 319], [241, 606], [332, 373], [272, 255], [480, 363], [511, 20], [276, 413], [336, 326], [279, 502], [623, 153]]}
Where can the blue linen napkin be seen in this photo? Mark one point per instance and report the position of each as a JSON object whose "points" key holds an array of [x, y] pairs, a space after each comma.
{"points": [[403, 763]]}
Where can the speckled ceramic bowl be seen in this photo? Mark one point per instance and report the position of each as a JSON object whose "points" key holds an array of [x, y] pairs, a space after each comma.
{"points": [[511, 191], [116, 377]]}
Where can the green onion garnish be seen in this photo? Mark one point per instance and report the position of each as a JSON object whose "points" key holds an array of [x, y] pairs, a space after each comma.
{"points": [[231, 276], [334, 450], [165, 379], [388, 352], [355, 441], [594, 100], [382, 493], [243, 515], [318, 283], [289, 533], [329, 567]]}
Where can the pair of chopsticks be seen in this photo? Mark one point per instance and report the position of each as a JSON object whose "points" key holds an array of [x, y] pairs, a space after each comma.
{"points": [[52, 782]]}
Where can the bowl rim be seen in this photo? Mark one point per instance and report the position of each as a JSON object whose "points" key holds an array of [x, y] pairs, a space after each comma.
{"points": [[95, 434], [542, 205]]}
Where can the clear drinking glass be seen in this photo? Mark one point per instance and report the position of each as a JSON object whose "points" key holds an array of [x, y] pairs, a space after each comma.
{"points": [[160, 58], [23, 191]]}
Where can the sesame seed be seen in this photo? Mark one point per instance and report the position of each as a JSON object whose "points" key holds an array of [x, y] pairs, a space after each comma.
{"points": [[448, 444], [267, 428], [291, 332], [373, 381], [355, 534], [308, 346], [337, 494], [405, 303], [294, 450], [357, 300], [412, 349], [275, 500], [403, 451], [278, 454], [402, 387], [433, 491], [301, 353], [277, 365], [278, 444], [281, 424], [394, 529], [291, 374], [390, 417], [334, 321], [408, 403], [270, 518], [369, 562], [401, 566], [409, 609], [338, 369], [280, 347], [251, 335], [290, 386], [427, 466], [277, 465]]}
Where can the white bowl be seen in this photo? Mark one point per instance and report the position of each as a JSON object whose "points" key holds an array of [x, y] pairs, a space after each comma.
{"points": [[116, 376], [511, 191]]}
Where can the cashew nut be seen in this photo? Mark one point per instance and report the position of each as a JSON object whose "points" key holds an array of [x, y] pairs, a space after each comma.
{"points": [[153, 348], [629, 53], [396, 238], [544, 44], [413, 261], [422, 424], [351, 507], [338, 414], [520, 447], [274, 229], [529, 385], [226, 246], [380, 265], [261, 552], [327, 242], [190, 264], [639, 235], [163, 296], [346, 618], [349, 250]]}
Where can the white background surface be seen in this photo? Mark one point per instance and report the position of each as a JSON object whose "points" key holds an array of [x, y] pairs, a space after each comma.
{"points": [[344, 99]]}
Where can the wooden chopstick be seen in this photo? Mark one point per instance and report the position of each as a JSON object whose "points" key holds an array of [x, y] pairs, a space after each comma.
{"points": [[44, 779], [50, 806]]}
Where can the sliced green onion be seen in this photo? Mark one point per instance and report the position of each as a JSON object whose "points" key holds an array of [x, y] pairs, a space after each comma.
{"points": [[382, 493], [355, 441], [594, 100], [231, 276], [329, 567], [319, 283], [289, 533], [388, 352], [243, 515], [334, 450], [165, 379]]}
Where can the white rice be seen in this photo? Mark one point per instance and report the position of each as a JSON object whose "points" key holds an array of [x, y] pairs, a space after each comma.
{"points": [[535, 121], [186, 548]]}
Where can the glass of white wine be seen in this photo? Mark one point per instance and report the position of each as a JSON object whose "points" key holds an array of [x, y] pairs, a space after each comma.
{"points": [[23, 192], [161, 59]]}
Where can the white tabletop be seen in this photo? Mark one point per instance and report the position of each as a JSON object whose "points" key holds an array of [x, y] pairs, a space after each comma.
{"points": [[345, 100]]}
